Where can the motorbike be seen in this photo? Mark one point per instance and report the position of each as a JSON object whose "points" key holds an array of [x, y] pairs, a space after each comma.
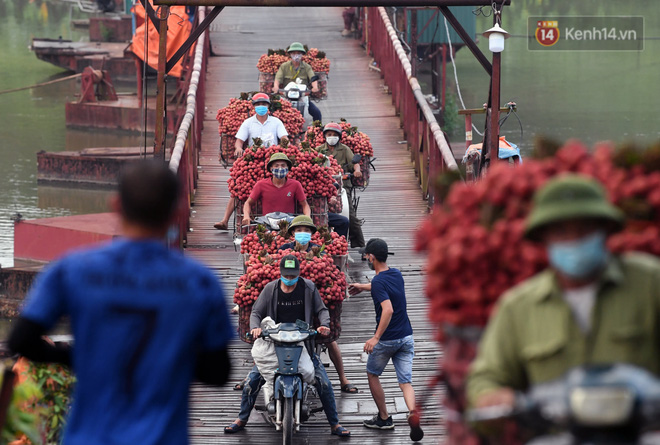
{"points": [[291, 405], [595, 405], [298, 95]]}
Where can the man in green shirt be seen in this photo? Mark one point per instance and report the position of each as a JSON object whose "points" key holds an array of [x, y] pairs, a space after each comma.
{"points": [[344, 156], [295, 70], [589, 306]]}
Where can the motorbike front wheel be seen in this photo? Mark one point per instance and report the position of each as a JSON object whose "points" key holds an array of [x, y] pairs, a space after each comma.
{"points": [[287, 421]]}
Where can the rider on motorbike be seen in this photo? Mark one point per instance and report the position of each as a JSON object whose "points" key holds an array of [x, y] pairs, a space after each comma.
{"points": [[262, 125], [344, 155], [279, 193], [302, 227], [297, 69], [286, 300], [589, 307]]}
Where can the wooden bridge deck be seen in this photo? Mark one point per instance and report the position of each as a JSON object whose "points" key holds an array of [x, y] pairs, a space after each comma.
{"points": [[392, 206]]}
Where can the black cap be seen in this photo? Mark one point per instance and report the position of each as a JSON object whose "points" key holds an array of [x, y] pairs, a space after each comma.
{"points": [[289, 266], [378, 248]]}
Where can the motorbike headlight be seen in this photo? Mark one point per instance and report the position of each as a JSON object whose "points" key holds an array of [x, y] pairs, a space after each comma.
{"points": [[289, 336], [293, 94], [601, 406]]}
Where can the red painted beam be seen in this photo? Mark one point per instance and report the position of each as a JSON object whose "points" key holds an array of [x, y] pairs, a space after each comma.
{"points": [[49, 238]]}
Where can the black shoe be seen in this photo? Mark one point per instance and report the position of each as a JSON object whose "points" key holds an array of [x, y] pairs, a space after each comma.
{"points": [[416, 433], [377, 423]]}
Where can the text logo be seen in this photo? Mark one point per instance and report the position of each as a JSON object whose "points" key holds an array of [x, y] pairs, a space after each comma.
{"points": [[585, 33]]}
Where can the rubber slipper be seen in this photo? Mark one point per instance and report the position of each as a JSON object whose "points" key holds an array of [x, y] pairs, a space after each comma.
{"points": [[234, 428], [341, 432], [220, 226], [350, 389]]}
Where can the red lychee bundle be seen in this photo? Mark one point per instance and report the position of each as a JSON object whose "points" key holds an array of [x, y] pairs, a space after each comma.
{"points": [[239, 109], [262, 241], [309, 167], [317, 60], [357, 141], [330, 282], [475, 244], [270, 62]]}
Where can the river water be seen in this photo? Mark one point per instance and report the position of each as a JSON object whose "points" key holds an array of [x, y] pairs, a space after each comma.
{"points": [[33, 120], [588, 95]]}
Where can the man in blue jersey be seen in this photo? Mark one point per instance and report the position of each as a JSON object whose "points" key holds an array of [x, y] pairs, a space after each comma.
{"points": [[145, 320], [393, 338]]}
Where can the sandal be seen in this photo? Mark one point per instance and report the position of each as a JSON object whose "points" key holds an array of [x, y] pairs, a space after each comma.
{"points": [[221, 226], [341, 432], [234, 428], [349, 388]]}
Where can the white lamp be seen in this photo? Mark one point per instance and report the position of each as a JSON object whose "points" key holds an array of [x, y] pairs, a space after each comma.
{"points": [[496, 36]]}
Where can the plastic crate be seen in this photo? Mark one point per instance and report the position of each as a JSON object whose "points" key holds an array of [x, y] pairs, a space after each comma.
{"points": [[323, 86], [365, 168], [319, 207], [226, 151], [238, 214], [335, 204], [266, 82]]}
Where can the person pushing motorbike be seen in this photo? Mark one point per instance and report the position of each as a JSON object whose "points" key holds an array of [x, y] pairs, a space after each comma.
{"points": [[589, 307]]}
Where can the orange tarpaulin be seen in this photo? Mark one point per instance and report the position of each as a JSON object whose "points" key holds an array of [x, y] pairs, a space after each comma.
{"points": [[178, 30]]}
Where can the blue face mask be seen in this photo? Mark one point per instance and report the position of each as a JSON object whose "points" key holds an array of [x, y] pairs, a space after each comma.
{"points": [[580, 258], [303, 237], [280, 173], [261, 110], [289, 282]]}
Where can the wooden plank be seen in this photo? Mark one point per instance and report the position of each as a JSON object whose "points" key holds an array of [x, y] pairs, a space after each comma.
{"points": [[392, 207]]}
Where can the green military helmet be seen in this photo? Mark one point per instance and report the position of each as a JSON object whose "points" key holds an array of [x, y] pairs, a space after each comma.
{"points": [[278, 157], [304, 221], [570, 197], [296, 46]]}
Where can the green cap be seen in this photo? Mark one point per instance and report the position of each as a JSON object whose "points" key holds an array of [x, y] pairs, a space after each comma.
{"points": [[302, 221], [278, 157], [296, 46], [570, 197]]}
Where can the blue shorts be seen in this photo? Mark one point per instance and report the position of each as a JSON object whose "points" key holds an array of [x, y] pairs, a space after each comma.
{"points": [[401, 351]]}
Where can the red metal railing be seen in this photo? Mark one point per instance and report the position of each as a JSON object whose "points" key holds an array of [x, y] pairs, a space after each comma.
{"points": [[187, 146], [429, 150]]}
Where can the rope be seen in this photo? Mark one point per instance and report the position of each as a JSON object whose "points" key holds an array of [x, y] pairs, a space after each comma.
{"points": [[434, 128], [453, 64], [13, 90], [191, 99], [143, 154]]}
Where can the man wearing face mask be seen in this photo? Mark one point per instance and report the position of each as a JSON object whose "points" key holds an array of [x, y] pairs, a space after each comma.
{"points": [[589, 306], [263, 126], [279, 193], [344, 156], [297, 69], [302, 227], [286, 300]]}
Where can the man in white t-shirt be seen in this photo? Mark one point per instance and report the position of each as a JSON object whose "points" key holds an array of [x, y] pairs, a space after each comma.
{"points": [[263, 126]]}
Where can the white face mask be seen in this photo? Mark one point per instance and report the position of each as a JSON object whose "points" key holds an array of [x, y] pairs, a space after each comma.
{"points": [[332, 140]]}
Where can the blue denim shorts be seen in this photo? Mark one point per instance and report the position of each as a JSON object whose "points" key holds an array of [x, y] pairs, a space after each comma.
{"points": [[401, 351]]}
